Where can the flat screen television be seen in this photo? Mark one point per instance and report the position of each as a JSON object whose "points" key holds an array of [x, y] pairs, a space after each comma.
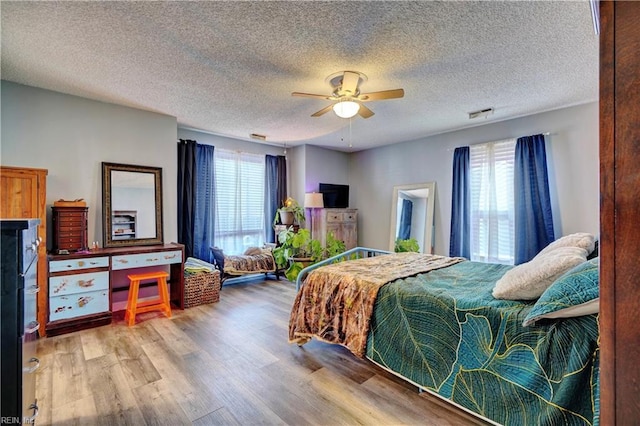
{"points": [[334, 196]]}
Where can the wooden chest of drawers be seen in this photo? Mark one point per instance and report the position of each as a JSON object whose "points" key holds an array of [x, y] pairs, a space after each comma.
{"points": [[69, 228], [342, 222]]}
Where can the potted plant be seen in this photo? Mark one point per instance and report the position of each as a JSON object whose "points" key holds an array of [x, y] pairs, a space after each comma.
{"points": [[290, 213], [297, 250], [407, 245], [334, 246]]}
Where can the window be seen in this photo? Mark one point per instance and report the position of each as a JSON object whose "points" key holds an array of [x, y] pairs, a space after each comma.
{"points": [[239, 181], [492, 201]]}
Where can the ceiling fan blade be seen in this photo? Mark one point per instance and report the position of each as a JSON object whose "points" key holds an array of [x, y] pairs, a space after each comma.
{"points": [[311, 95], [322, 111], [384, 94], [365, 112], [350, 82]]}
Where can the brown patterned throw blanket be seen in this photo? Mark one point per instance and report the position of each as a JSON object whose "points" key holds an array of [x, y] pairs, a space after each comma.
{"points": [[249, 264], [336, 301]]}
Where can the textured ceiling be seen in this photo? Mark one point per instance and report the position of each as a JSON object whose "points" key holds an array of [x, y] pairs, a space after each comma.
{"points": [[229, 68]]}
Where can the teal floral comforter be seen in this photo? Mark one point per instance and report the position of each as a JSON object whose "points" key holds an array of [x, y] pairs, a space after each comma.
{"points": [[445, 332]]}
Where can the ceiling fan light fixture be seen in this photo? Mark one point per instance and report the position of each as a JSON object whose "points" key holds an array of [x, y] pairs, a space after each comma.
{"points": [[346, 109]]}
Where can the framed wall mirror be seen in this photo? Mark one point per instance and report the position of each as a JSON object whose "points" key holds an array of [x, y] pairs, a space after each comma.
{"points": [[131, 205], [412, 214]]}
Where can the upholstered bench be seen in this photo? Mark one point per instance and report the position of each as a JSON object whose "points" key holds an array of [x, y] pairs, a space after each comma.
{"points": [[255, 260]]}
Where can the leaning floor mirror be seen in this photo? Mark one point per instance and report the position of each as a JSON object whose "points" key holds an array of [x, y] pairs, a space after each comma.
{"points": [[131, 205], [412, 214]]}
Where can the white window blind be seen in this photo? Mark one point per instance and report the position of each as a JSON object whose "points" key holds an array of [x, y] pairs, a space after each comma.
{"points": [[239, 180], [492, 201]]}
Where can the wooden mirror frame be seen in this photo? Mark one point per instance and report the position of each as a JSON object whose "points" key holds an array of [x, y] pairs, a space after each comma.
{"points": [[108, 240]]}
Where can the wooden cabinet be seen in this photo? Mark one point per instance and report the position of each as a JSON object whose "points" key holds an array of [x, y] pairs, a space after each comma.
{"points": [[342, 222], [24, 196], [619, 212], [69, 228], [19, 262]]}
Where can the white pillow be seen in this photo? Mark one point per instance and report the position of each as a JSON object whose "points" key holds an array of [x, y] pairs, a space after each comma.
{"points": [[580, 239], [529, 280]]}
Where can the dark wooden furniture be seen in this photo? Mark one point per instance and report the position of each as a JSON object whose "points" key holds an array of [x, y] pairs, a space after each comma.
{"points": [[19, 329], [619, 212], [24, 195], [86, 288], [69, 228]]}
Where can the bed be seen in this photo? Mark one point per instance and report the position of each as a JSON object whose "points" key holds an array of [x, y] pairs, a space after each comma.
{"points": [[255, 260], [435, 322]]}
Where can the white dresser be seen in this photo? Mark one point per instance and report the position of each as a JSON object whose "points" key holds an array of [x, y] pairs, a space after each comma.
{"points": [[82, 290]]}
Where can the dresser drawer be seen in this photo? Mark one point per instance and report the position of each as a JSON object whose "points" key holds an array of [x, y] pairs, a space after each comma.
{"points": [[342, 217], [76, 305], [334, 217], [349, 216], [78, 283], [69, 240], [68, 231], [128, 261], [78, 264], [31, 242], [71, 217]]}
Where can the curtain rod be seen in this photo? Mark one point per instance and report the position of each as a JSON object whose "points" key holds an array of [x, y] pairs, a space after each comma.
{"points": [[499, 140], [232, 150]]}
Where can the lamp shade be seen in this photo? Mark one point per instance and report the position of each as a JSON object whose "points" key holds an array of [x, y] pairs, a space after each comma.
{"points": [[313, 200], [346, 109]]}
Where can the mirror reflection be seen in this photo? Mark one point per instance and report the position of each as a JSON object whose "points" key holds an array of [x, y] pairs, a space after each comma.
{"points": [[132, 208], [412, 214]]}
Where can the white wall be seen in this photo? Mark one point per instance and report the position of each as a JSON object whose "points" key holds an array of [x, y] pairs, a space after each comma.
{"points": [[311, 165], [325, 166], [572, 157], [71, 136], [296, 172]]}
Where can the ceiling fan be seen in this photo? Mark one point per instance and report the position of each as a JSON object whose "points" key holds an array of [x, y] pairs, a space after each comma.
{"points": [[346, 96]]}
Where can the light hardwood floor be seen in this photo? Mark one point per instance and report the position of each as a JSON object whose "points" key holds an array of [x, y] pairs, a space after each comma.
{"points": [[227, 363]]}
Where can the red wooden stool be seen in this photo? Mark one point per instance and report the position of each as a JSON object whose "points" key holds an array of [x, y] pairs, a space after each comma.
{"points": [[160, 304]]}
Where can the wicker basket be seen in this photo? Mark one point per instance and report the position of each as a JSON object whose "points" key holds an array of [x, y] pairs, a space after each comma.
{"points": [[201, 288]]}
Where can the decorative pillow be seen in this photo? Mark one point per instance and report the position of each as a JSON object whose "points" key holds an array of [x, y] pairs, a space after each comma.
{"points": [[594, 253], [529, 280], [218, 256], [574, 294], [581, 239], [252, 251]]}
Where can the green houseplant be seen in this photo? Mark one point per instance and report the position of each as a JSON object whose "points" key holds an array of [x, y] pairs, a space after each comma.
{"points": [[290, 213], [407, 245], [297, 250]]}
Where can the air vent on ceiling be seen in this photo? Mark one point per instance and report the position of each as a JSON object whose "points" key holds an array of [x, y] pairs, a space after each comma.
{"points": [[482, 113], [259, 137]]}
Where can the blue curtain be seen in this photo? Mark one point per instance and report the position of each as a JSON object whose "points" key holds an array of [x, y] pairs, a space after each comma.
{"points": [[186, 193], [204, 204], [405, 219], [533, 218], [459, 240], [275, 191]]}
